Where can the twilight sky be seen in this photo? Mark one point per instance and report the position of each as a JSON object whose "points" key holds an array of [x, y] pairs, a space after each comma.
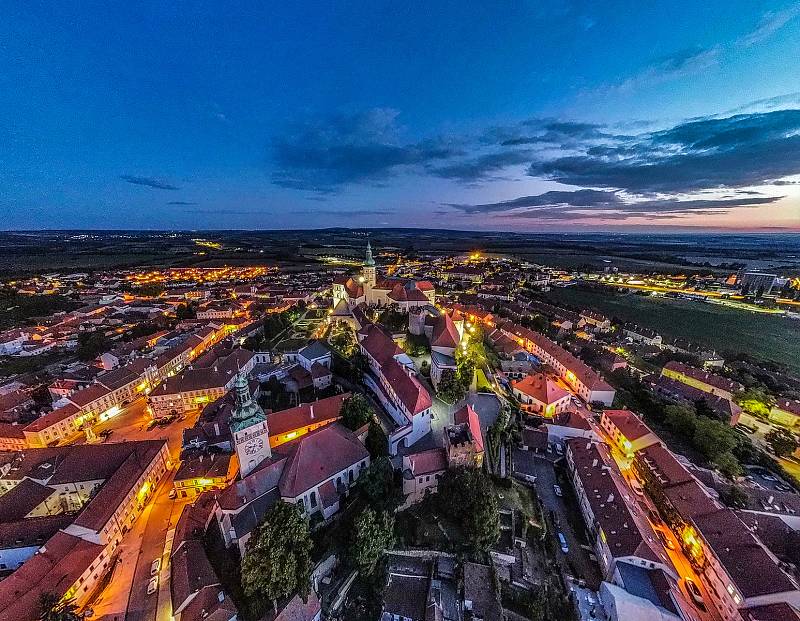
{"points": [[526, 116]]}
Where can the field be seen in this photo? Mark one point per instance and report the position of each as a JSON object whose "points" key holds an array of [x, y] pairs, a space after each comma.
{"points": [[729, 331]]}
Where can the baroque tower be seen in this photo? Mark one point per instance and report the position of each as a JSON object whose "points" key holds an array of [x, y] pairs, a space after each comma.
{"points": [[368, 271], [249, 428]]}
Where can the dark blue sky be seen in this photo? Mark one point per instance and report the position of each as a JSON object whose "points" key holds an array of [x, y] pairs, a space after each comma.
{"points": [[491, 115]]}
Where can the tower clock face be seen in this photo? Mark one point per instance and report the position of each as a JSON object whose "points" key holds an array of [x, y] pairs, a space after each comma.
{"points": [[253, 446]]}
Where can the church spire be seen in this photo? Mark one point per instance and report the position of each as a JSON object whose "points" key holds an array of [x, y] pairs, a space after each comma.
{"points": [[369, 261]]}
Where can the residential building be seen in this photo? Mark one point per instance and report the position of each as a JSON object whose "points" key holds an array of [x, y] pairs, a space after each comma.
{"points": [[538, 394], [785, 412], [703, 380], [627, 431]]}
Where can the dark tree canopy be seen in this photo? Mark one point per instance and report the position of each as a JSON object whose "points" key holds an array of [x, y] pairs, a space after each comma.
{"points": [[356, 412], [277, 561], [469, 497]]}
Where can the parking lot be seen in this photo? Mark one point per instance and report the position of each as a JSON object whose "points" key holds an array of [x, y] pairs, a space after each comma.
{"points": [[563, 514]]}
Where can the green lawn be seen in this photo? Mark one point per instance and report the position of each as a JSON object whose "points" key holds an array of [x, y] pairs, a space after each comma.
{"points": [[730, 331], [482, 383]]}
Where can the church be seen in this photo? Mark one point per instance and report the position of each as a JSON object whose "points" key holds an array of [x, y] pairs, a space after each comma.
{"points": [[349, 292], [312, 471]]}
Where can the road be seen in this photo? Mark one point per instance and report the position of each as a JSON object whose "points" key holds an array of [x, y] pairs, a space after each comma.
{"points": [[125, 596]]}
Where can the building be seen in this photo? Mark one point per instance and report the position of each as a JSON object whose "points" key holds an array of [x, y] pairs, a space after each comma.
{"points": [[757, 283], [99, 491], [201, 472], [639, 334], [312, 471], [785, 412], [627, 431], [202, 383], [584, 380], [287, 425], [368, 289], [392, 378], [674, 390], [421, 473], [594, 321], [538, 394], [463, 440], [616, 535], [702, 380]]}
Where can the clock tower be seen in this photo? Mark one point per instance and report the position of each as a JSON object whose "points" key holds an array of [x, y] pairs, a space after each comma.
{"points": [[249, 429]]}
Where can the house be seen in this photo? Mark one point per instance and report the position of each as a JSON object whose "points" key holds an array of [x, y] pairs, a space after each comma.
{"points": [[584, 380], [643, 594], [674, 390], [421, 473], [616, 535], [594, 321], [639, 334], [627, 431], [703, 380], [392, 378], [540, 395], [785, 412]]}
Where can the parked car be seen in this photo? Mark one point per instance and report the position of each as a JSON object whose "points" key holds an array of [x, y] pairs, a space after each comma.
{"points": [[694, 593], [155, 566], [152, 586], [563, 541], [557, 491]]}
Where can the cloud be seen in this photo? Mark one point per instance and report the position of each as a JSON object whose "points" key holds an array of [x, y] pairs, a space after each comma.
{"points": [[685, 62], [185, 203], [770, 23], [738, 151], [149, 182], [584, 204], [346, 149]]}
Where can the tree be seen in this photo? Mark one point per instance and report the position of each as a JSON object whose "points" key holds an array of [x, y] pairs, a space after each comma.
{"points": [[782, 442], [755, 401], [376, 442], [185, 311], [53, 608], [91, 344], [680, 419], [712, 438], [377, 485], [356, 412], [468, 496], [728, 465], [450, 388], [277, 561], [372, 534]]}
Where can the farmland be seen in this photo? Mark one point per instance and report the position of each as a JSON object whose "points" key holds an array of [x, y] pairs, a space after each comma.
{"points": [[729, 331]]}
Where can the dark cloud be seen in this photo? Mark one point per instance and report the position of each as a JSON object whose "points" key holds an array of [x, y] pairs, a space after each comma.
{"points": [[742, 150], [482, 167], [699, 154], [582, 204], [150, 182], [349, 149], [184, 203]]}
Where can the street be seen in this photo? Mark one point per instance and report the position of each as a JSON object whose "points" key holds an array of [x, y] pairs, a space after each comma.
{"points": [[125, 595]]}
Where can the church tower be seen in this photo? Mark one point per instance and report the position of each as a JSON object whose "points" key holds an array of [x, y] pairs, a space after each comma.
{"points": [[249, 429], [368, 271]]}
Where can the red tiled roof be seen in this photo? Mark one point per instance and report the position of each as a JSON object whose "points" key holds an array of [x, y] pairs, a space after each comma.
{"points": [[628, 424], [428, 462], [541, 388], [717, 381], [51, 418], [299, 610], [752, 569], [324, 410], [444, 332], [411, 393], [87, 395], [55, 569], [469, 417], [317, 456]]}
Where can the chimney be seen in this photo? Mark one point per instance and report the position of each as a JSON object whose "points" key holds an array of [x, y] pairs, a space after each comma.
{"points": [[610, 498], [311, 411], [594, 463], [771, 499]]}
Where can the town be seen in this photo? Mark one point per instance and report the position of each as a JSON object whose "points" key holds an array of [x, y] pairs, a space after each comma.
{"points": [[393, 435]]}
